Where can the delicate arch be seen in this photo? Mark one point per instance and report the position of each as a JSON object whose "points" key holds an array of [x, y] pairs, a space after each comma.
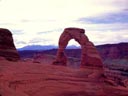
{"points": [[89, 54]]}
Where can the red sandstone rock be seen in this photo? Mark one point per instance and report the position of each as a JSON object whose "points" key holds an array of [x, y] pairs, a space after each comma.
{"points": [[7, 47], [89, 57], [113, 51], [2, 58], [32, 79]]}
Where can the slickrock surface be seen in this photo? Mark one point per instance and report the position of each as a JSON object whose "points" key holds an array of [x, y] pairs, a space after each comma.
{"points": [[7, 47], [33, 79], [89, 56]]}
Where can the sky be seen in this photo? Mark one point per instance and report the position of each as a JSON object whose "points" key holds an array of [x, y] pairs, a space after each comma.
{"points": [[41, 22]]}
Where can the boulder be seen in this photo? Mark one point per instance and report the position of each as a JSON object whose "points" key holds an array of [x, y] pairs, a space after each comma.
{"points": [[7, 47], [89, 56]]}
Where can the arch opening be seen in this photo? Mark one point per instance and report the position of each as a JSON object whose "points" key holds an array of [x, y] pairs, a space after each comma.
{"points": [[73, 44], [73, 54]]}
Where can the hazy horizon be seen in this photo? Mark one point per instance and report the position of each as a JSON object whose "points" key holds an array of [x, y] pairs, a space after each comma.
{"points": [[40, 22], [69, 46]]}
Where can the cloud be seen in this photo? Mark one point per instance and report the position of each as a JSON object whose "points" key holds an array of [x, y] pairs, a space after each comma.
{"points": [[21, 42], [17, 32], [57, 9], [122, 4], [4, 23], [42, 21], [39, 41], [120, 17], [108, 36], [26, 20], [116, 21], [49, 31], [126, 9], [106, 27]]}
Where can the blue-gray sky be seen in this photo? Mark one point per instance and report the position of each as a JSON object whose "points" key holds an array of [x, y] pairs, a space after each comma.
{"points": [[42, 21]]}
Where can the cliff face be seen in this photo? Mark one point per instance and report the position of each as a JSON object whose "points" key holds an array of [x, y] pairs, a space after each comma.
{"points": [[7, 47], [114, 51]]}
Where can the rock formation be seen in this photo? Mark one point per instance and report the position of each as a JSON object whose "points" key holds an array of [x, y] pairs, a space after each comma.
{"points": [[114, 51], [32, 79], [89, 57], [7, 47]]}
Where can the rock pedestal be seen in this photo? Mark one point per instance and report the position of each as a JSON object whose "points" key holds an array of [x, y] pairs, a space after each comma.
{"points": [[89, 56], [7, 47]]}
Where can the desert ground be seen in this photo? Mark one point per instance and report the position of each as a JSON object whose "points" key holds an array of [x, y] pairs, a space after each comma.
{"points": [[34, 79]]}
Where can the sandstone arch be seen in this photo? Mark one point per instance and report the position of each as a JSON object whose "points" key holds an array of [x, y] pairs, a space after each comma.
{"points": [[89, 56]]}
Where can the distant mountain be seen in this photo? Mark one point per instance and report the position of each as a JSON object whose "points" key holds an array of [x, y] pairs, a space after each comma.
{"points": [[37, 47], [73, 47], [44, 47], [107, 51]]}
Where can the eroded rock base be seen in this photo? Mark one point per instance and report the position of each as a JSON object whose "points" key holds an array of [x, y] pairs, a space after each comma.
{"points": [[32, 79]]}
